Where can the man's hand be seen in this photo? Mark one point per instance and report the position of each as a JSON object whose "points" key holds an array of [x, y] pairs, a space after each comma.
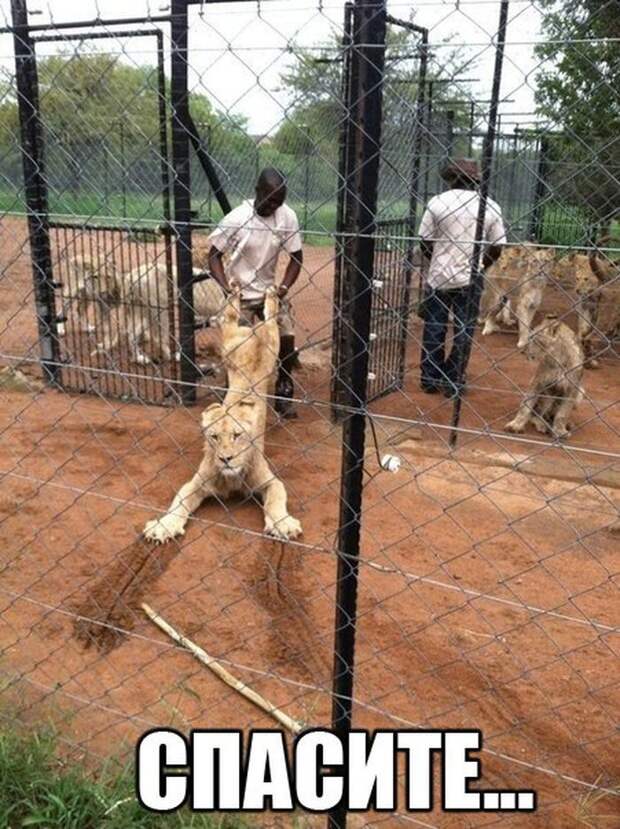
{"points": [[282, 291]]}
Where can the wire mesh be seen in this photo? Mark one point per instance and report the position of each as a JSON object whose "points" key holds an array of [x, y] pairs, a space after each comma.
{"points": [[487, 587]]}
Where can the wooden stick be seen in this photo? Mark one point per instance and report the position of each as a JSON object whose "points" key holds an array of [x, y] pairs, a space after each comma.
{"points": [[202, 656]]}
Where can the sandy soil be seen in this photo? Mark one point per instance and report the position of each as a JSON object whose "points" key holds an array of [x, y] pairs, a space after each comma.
{"points": [[488, 597]]}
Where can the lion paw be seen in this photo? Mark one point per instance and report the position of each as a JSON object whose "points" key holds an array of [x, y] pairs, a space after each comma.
{"points": [[559, 432], [161, 530], [514, 426], [285, 529]]}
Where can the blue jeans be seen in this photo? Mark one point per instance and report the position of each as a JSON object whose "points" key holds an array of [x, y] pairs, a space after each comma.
{"points": [[435, 368]]}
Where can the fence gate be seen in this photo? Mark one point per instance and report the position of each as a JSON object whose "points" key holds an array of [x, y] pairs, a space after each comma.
{"points": [[105, 290], [399, 194]]}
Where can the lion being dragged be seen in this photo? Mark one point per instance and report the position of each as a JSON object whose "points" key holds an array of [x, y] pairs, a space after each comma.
{"points": [[234, 431]]}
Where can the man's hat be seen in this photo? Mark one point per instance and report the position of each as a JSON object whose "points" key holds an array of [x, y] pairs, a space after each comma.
{"points": [[461, 168]]}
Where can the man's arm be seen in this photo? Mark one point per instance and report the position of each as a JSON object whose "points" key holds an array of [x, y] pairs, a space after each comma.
{"points": [[216, 267], [496, 235], [293, 269]]}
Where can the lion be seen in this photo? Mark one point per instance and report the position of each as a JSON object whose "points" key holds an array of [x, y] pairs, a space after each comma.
{"points": [[249, 354], [514, 289], [233, 462], [94, 286], [234, 431], [144, 317], [597, 299], [556, 387]]}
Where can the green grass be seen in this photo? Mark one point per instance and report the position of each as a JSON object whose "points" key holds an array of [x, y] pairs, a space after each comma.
{"points": [[562, 224], [39, 790]]}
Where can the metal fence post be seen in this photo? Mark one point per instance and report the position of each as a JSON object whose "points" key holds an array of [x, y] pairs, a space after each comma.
{"points": [[179, 94], [368, 58], [477, 276], [343, 221], [35, 185], [537, 219]]}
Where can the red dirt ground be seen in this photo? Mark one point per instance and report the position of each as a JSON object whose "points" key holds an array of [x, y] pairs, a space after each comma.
{"points": [[488, 597]]}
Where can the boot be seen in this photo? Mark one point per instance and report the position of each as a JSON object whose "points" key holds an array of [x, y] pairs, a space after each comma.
{"points": [[284, 384]]}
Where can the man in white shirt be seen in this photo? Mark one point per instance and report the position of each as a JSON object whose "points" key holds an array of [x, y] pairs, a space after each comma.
{"points": [[447, 233], [245, 249]]}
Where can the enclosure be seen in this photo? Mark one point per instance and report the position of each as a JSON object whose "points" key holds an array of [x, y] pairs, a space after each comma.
{"points": [[451, 573]]}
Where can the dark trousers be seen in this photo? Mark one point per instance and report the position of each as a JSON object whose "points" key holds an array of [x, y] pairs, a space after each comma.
{"points": [[435, 367]]}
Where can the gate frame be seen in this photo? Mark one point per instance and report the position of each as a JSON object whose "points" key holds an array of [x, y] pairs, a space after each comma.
{"points": [[183, 130], [345, 218]]}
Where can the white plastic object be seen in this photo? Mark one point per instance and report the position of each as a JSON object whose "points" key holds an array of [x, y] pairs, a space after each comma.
{"points": [[372, 337], [372, 376], [378, 283], [391, 463]]}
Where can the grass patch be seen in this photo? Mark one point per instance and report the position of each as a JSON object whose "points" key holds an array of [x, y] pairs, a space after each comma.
{"points": [[39, 790], [562, 224]]}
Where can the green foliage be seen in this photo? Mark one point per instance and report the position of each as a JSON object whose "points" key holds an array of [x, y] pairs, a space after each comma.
{"points": [[38, 790], [578, 91], [313, 83]]}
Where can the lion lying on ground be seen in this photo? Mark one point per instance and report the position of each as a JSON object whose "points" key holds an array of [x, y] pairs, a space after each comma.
{"points": [[234, 431], [514, 289], [556, 387], [144, 316], [93, 285]]}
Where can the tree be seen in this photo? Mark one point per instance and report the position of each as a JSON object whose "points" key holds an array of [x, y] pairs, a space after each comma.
{"points": [[100, 118], [313, 84], [578, 92]]}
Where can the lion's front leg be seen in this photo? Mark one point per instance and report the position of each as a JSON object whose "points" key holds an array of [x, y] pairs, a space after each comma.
{"points": [[526, 412], [278, 522], [172, 524]]}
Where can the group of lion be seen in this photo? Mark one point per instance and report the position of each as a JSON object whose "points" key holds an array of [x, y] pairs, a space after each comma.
{"points": [[133, 305], [234, 431], [514, 292]]}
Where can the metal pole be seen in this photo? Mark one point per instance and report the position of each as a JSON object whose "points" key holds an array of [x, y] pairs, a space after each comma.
{"points": [[210, 151], [368, 58], [123, 169], [35, 185], [90, 24], [537, 218], [472, 115], [477, 275], [182, 196], [164, 152], [414, 194], [343, 236], [450, 132], [204, 159], [306, 188], [420, 129], [429, 136]]}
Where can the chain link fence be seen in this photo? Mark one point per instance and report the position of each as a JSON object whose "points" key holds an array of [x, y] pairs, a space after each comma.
{"points": [[458, 567]]}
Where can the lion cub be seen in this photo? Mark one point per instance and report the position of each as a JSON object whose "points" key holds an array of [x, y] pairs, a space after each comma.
{"points": [[556, 387], [514, 289], [234, 459], [597, 300]]}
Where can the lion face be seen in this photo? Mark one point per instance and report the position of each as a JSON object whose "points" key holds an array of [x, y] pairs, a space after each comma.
{"points": [[230, 438], [541, 339]]}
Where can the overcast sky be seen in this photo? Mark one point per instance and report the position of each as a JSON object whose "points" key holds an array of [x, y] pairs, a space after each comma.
{"points": [[238, 56]]}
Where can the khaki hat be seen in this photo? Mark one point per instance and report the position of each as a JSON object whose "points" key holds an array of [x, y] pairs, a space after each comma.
{"points": [[461, 168]]}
